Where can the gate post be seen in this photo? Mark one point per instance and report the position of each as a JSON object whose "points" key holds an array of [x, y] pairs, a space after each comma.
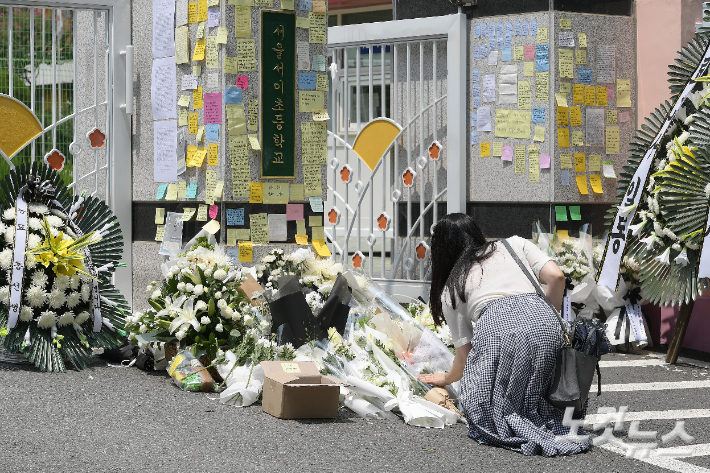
{"points": [[456, 123]]}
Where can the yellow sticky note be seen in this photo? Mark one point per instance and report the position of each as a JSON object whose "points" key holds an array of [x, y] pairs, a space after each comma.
{"points": [[182, 189], [596, 181], [612, 140], [577, 138], [513, 123], [322, 82], [201, 10], [197, 98], [529, 69], [575, 115], [246, 54], [580, 162], [561, 99], [246, 250], [524, 95], [182, 117], [160, 231], [318, 233], [562, 116], [623, 93], [601, 96], [184, 101], [539, 133], [197, 70], [199, 53], [542, 35], [563, 235], [309, 101], [533, 164], [172, 192], [212, 49], [320, 115], [302, 239], [565, 24], [542, 86], [485, 149], [187, 213], [519, 53], [300, 227], [221, 35], [497, 149], [243, 234], [312, 181], [595, 163], [563, 137], [254, 142], [192, 12], [159, 216], [218, 189], [200, 134], [582, 183], [580, 57], [242, 19], [578, 93], [201, 30], [193, 121], [520, 160], [612, 117], [302, 22], [190, 158], [566, 63], [565, 161], [230, 65], [315, 221], [565, 87], [590, 95], [321, 248], [213, 155], [276, 193], [211, 227], [256, 192], [582, 40], [296, 193], [202, 213], [287, 4], [231, 237], [317, 26]]}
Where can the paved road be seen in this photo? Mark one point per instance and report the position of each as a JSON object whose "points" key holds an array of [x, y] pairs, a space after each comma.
{"points": [[116, 419]]}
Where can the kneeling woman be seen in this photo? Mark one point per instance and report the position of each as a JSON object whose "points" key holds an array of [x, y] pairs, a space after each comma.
{"points": [[506, 336]]}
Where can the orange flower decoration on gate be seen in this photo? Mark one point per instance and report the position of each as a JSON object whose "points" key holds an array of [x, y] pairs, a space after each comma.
{"points": [[435, 150], [334, 216], [383, 222], [346, 173], [421, 250], [55, 159], [358, 259], [408, 177], [96, 138]]}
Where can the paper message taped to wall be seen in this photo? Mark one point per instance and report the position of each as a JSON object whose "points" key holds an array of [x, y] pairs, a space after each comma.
{"points": [[513, 123]]}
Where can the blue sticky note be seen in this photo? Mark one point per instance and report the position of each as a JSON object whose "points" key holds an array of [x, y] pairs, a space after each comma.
{"points": [[508, 40], [492, 30], [538, 115], [526, 28], [477, 30], [584, 75], [476, 102], [191, 190], [474, 74], [162, 190], [233, 95], [542, 65], [476, 53], [212, 132], [533, 28], [474, 119], [235, 216], [492, 42], [307, 80], [508, 27], [476, 89], [316, 203], [474, 137], [484, 30], [484, 51], [507, 54], [305, 5], [517, 28], [542, 58], [501, 41], [499, 29], [565, 177]]}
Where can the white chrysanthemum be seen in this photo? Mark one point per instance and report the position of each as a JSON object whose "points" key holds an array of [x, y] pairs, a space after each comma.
{"points": [[67, 318], [181, 287], [198, 290], [6, 259], [156, 295], [39, 278], [47, 320], [205, 320], [143, 328], [248, 320], [26, 314], [200, 305], [3, 227], [220, 275], [85, 292], [33, 241], [10, 235], [9, 214], [56, 298], [30, 262], [38, 208], [180, 335], [62, 282], [55, 221], [189, 287], [35, 296], [73, 299], [684, 137], [82, 317], [5, 294], [263, 325], [218, 295], [219, 328], [35, 224], [75, 281], [221, 304]]}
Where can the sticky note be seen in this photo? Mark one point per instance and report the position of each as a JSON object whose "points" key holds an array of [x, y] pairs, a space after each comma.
{"points": [[231, 237], [191, 192], [162, 190], [565, 24], [601, 96], [545, 161], [254, 142], [565, 161], [197, 101], [580, 162], [243, 234], [608, 167], [590, 97], [159, 233], [301, 239], [520, 160], [560, 99], [307, 80], [565, 177], [256, 192], [202, 213], [497, 149], [321, 248], [580, 57], [538, 115], [294, 212], [276, 193], [317, 233], [507, 153], [582, 40], [212, 133], [300, 227], [242, 82], [575, 115], [316, 203], [233, 95], [187, 213], [595, 163], [213, 211], [575, 212], [296, 192], [485, 149], [563, 235], [577, 138], [198, 54], [213, 155], [246, 250], [160, 216], [560, 213], [582, 183], [529, 69], [235, 216], [182, 189], [539, 133], [578, 93], [596, 181], [562, 116], [171, 194], [315, 221], [563, 137], [612, 140], [542, 35], [612, 117], [623, 93]]}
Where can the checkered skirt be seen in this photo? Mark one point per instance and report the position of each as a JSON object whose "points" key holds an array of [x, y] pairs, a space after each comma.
{"points": [[515, 344]]}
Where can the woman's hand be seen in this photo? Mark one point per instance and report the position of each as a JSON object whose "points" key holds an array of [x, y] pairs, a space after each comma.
{"points": [[437, 379]]}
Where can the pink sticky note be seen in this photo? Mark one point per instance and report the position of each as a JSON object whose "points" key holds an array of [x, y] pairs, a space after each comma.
{"points": [[545, 161], [610, 91], [243, 82], [294, 211], [507, 153], [213, 108], [529, 52], [624, 117], [213, 211]]}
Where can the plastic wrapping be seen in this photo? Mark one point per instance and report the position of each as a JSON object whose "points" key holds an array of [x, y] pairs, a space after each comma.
{"points": [[189, 374]]}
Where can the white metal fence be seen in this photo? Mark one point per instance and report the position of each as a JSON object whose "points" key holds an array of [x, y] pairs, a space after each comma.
{"points": [[412, 72]]}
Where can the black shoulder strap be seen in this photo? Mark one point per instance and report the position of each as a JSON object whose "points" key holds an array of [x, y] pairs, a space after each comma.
{"points": [[535, 284]]}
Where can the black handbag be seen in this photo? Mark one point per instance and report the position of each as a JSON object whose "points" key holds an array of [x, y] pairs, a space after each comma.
{"points": [[574, 368]]}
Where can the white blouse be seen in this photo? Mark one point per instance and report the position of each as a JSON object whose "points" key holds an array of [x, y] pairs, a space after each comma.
{"points": [[498, 276]]}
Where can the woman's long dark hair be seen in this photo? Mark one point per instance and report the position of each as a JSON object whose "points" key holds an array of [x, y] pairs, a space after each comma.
{"points": [[456, 245]]}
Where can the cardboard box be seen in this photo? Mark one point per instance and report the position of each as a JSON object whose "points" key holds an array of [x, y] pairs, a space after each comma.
{"points": [[297, 390]]}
